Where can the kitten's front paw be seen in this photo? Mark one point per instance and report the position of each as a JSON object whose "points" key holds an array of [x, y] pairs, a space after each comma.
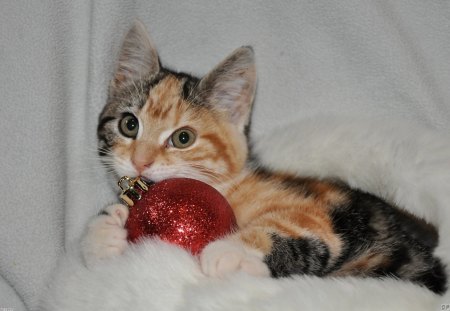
{"points": [[224, 257], [105, 236]]}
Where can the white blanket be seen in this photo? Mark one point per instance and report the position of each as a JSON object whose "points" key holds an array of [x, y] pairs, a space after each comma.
{"points": [[371, 58], [405, 164]]}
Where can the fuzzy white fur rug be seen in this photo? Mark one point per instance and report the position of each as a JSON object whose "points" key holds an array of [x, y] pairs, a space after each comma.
{"points": [[403, 163]]}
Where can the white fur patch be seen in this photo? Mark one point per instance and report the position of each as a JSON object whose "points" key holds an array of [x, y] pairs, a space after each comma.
{"points": [[222, 258], [165, 135], [105, 236]]}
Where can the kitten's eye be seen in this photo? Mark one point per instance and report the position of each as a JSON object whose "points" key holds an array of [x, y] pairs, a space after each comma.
{"points": [[182, 138], [129, 126]]}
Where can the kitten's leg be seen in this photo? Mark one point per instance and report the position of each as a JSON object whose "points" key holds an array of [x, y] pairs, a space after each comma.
{"points": [[307, 255], [233, 254], [105, 236], [262, 251]]}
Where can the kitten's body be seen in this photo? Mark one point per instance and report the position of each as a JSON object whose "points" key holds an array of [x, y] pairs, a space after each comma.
{"points": [[325, 228], [287, 224]]}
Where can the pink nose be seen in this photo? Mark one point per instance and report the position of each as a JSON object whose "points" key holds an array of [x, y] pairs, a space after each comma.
{"points": [[141, 164]]}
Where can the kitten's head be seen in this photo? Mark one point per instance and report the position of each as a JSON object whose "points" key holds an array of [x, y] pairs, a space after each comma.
{"points": [[160, 124]]}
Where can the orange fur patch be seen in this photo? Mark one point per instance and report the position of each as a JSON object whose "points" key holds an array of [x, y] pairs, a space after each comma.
{"points": [[262, 202]]}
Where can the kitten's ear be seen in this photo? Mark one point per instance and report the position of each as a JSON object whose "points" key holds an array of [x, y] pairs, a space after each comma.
{"points": [[138, 57], [231, 85]]}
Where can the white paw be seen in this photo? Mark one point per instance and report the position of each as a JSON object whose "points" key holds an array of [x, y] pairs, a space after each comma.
{"points": [[223, 257], [106, 236]]}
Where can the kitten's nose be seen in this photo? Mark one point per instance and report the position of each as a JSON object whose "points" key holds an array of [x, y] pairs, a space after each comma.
{"points": [[142, 157], [141, 164]]}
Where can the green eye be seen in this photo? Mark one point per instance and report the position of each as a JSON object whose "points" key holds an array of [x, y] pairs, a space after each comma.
{"points": [[129, 126], [182, 138]]}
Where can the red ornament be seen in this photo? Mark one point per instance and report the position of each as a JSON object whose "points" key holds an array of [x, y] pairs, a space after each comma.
{"points": [[183, 211]]}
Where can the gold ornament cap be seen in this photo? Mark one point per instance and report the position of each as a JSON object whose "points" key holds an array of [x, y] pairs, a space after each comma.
{"points": [[132, 189]]}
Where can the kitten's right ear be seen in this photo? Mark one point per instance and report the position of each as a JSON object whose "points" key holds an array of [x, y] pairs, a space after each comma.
{"points": [[137, 58], [231, 85]]}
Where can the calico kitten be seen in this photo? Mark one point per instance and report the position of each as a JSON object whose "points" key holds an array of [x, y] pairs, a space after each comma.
{"points": [[162, 124]]}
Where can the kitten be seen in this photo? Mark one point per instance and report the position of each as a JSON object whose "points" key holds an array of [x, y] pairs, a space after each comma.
{"points": [[161, 124]]}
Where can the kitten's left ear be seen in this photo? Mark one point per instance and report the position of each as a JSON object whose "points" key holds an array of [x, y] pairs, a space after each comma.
{"points": [[137, 58], [231, 85]]}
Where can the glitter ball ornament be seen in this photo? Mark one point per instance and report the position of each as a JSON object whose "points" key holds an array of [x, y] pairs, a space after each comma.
{"points": [[183, 211]]}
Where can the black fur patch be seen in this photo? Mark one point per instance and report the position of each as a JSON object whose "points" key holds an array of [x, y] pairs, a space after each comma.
{"points": [[103, 212], [188, 90], [434, 279], [103, 121], [352, 224], [297, 256], [368, 223]]}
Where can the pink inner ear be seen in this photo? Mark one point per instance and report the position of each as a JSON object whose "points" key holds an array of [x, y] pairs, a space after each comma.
{"points": [[138, 57], [235, 97], [231, 85]]}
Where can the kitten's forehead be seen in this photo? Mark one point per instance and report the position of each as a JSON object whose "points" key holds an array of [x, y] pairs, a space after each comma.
{"points": [[166, 109], [166, 101], [164, 85], [163, 97]]}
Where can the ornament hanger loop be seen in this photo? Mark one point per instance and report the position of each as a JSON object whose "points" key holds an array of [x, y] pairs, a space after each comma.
{"points": [[125, 179], [132, 189]]}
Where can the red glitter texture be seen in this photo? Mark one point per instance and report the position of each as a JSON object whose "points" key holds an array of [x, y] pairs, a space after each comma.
{"points": [[182, 211]]}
